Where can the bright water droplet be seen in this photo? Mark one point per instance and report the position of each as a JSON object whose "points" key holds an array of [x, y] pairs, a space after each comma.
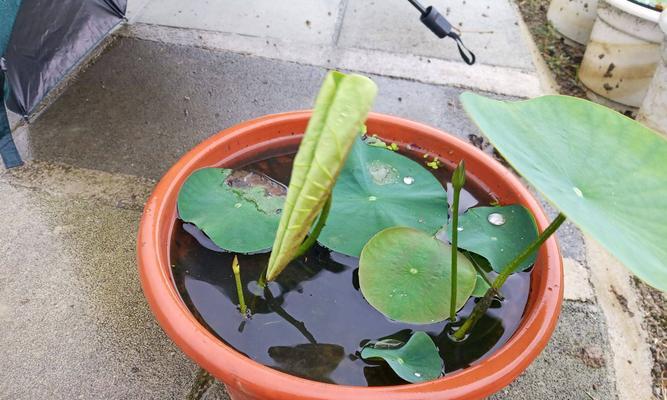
{"points": [[417, 374], [460, 229], [496, 219], [494, 238], [372, 198], [408, 180], [237, 205], [578, 192], [413, 271]]}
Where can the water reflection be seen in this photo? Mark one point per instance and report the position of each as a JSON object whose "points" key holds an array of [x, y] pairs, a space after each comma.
{"points": [[314, 361]]}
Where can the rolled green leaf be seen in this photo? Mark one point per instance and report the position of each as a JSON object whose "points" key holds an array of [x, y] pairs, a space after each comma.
{"points": [[340, 110]]}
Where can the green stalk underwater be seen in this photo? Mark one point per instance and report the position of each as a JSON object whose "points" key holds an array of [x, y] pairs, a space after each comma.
{"points": [[239, 285]]}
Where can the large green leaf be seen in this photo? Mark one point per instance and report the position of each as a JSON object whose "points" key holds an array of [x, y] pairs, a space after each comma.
{"points": [[406, 275], [605, 171], [378, 189], [498, 234], [340, 110], [416, 361], [238, 210]]}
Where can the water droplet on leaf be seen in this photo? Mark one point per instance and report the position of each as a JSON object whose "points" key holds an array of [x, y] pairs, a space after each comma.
{"points": [[408, 180], [496, 219]]}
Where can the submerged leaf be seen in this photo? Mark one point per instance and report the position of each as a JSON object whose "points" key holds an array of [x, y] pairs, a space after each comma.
{"points": [[605, 171], [480, 287], [380, 189], [498, 234], [238, 210], [340, 110], [406, 275], [417, 361], [314, 361]]}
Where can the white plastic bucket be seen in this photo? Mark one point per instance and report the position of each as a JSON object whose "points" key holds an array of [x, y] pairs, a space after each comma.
{"points": [[623, 52], [653, 112], [573, 19]]}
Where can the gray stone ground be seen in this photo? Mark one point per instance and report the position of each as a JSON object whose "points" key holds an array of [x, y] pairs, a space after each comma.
{"points": [[73, 320]]}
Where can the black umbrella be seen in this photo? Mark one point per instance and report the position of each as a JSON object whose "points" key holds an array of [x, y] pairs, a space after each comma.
{"points": [[40, 42]]}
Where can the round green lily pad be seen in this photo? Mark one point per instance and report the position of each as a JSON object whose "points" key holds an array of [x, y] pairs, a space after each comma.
{"points": [[378, 189], [498, 234], [418, 360], [238, 210], [604, 171], [406, 275]]}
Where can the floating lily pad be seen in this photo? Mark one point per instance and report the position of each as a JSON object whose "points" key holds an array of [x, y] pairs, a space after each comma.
{"points": [[498, 234], [604, 171], [416, 361], [378, 189], [238, 210], [406, 275], [340, 111]]}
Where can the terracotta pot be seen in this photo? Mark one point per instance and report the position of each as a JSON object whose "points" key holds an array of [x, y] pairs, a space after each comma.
{"points": [[248, 380]]}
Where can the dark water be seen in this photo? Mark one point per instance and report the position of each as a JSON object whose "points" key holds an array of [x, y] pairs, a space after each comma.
{"points": [[313, 320]]}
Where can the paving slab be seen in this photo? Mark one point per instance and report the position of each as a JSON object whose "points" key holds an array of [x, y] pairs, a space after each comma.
{"points": [[311, 21], [143, 104], [73, 320], [489, 28], [575, 365]]}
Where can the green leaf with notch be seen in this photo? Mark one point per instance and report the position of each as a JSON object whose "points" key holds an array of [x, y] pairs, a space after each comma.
{"points": [[340, 111], [416, 361], [238, 210], [604, 171], [406, 275], [498, 234], [379, 188]]}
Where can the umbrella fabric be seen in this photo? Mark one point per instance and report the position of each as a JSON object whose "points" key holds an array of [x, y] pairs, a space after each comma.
{"points": [[8, 152], [49, 38]]}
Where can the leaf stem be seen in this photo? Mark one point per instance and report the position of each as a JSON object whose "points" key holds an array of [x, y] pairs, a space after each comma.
{"points": [[458, 181], [482, 273], [510, 268], [239, 285], [312, 238]]}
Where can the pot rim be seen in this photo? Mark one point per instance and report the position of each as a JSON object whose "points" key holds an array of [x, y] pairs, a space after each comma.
{"points": [[247, 377], [636, 10]]}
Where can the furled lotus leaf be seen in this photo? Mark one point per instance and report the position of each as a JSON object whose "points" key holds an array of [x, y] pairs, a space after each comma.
{"points": [[604, 171], [340, 110]]}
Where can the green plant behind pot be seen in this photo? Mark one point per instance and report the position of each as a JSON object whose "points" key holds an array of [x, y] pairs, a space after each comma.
{"points": [[604, 171]]}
